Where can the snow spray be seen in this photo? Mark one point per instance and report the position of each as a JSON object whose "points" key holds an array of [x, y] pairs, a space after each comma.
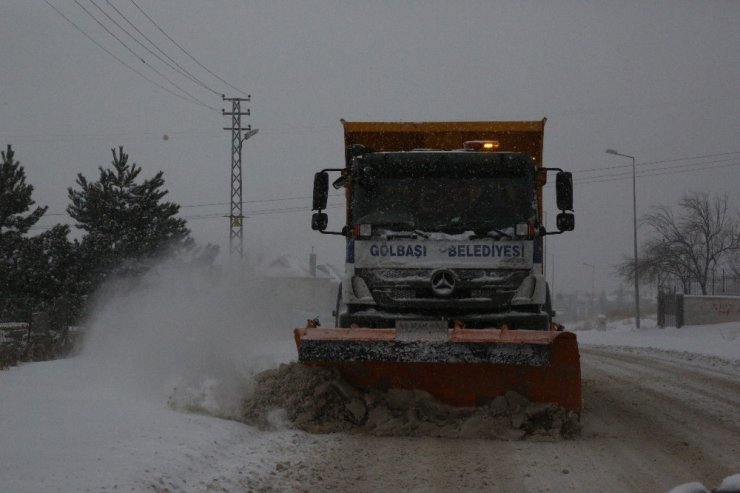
{"points": [[193, 335]]}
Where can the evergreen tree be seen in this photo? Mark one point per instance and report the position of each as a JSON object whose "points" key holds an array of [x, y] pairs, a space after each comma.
{"points": [[56, 274], [15, 221], [126, 221], [15, 200], [35, 272]]}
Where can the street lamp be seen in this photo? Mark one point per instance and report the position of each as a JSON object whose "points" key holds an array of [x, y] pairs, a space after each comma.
{"points": [[634, 223]]}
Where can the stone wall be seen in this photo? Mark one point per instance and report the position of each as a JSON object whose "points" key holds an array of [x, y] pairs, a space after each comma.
{"points": [[702, 310]]}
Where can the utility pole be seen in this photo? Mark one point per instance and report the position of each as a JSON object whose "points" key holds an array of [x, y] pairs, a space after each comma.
{"points": [[236, 236]]}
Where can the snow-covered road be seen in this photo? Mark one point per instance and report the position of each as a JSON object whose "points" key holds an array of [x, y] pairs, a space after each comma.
{"points": [[653, 419]]}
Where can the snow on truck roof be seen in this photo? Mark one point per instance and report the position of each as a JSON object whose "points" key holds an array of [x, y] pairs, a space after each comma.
{"points": [[514, 136]]}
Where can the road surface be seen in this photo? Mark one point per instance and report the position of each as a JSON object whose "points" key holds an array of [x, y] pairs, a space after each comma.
{"points": [[651, 420]]}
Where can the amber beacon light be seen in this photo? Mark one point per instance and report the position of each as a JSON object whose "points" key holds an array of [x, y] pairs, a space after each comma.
{"points": [[481, 145]]}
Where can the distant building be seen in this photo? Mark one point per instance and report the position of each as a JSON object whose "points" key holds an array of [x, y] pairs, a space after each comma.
{"points": [[289, 266], [307, 289]]}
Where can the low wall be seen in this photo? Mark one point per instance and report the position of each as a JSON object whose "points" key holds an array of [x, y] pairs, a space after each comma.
{"points": [[702, 310]]}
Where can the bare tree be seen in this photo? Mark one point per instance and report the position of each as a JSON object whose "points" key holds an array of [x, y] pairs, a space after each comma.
{"points": [[686, 247], [733, 263]]}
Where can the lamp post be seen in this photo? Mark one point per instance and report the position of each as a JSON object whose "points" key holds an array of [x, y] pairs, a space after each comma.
{"points": [[634, 223]]}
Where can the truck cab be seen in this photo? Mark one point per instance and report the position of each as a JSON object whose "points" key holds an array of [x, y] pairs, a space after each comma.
{"points": [[447, 235]]}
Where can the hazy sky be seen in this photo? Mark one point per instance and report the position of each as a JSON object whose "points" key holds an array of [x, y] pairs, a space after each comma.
{"points": [[658, 80]]}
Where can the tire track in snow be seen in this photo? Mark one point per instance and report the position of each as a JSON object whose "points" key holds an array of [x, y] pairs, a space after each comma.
{"points": [[650, 422], [708, 383], [660, 418]]}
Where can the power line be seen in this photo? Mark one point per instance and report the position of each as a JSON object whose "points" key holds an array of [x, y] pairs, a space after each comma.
{"points": [[248, 213], [647, 171], [117, 38], [678, 169], [672, 170], [649, 163], [695, 166], [119, 60], [178, 68], [51, 137], [127, 33], [259, 200], [185, 51], [258, 212], [140, 44], [255, 212], [262, 212], [213, 204], [672, 166]]}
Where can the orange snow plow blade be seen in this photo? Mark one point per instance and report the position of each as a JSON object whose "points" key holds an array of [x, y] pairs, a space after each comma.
{"points": [[469, 368]]}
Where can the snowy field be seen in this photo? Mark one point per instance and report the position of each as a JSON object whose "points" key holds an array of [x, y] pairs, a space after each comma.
{"points": [[142, 407]]}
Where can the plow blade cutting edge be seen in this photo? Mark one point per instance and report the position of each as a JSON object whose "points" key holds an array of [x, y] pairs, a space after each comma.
{"points": [[471, 367]]}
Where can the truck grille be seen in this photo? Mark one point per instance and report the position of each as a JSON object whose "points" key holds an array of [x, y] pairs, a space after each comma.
{"points": [[400, 294], [412, 288]]}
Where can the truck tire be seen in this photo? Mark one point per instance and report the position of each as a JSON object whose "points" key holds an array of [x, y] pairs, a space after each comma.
{"points": [[548, 303]]}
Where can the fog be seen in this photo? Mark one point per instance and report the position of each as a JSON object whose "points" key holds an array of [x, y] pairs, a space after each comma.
{"points": [[657, 80]]}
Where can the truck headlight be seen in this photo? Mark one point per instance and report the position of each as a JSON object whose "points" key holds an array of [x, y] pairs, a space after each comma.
{"points": [[523, 295], [360, 288], [524, 230]]}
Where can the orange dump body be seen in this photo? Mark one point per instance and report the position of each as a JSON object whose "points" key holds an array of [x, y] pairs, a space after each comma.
{"points": [[470, 368]]}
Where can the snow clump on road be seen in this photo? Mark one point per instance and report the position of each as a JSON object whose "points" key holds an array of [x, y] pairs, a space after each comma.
{"points": [[731, 484], [319, 400]]}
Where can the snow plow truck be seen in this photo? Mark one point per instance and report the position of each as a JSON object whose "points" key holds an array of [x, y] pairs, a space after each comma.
{"points": [[444, 288]]}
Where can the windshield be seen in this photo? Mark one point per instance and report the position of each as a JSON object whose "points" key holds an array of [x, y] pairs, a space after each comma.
{"points": [[446, 204]]}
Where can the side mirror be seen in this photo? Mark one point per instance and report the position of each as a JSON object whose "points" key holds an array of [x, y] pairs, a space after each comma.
{"points": [[320, 190], [565, 221], [319, 221], [564, 191]]}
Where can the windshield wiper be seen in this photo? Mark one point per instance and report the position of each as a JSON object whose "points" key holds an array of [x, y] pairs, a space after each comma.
{"points": [[487, 227], [500, 233], [405, 226]]}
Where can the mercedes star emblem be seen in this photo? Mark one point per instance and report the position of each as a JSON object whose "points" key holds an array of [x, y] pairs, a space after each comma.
{"points": [[443, 282]]}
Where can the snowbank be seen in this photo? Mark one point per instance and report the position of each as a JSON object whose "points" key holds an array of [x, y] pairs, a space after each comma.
{"points": [[182, 339], [720, 340], [62, 433]]}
